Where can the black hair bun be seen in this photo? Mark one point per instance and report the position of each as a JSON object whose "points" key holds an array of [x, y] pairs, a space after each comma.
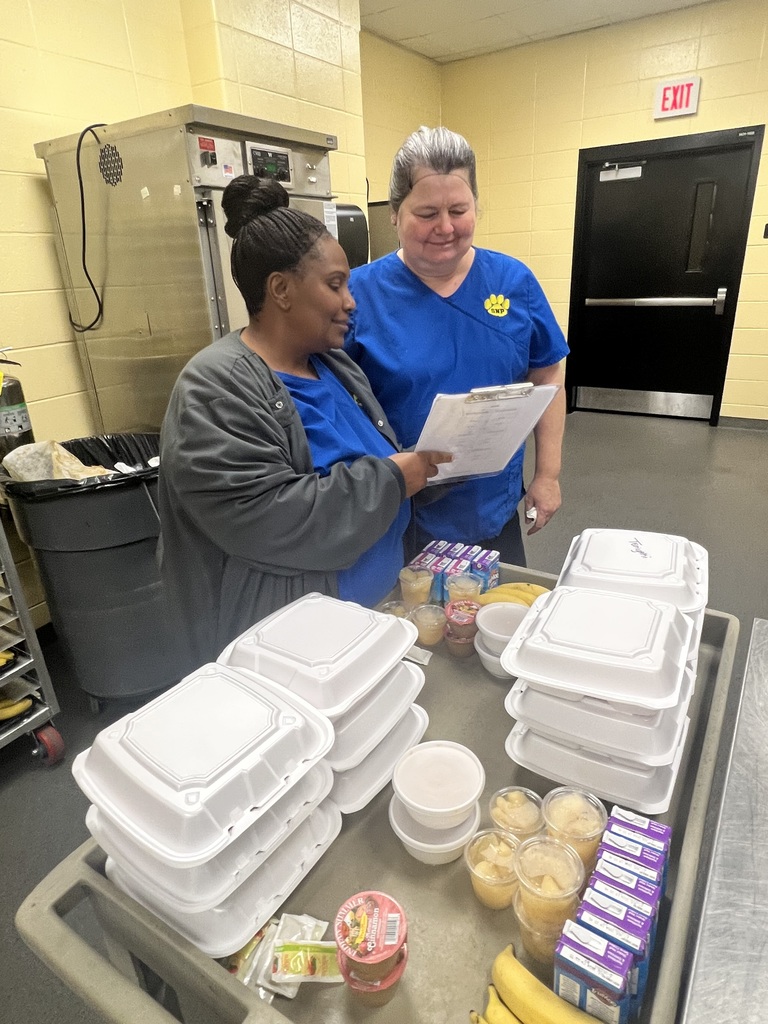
{"points": [[246, 197]]}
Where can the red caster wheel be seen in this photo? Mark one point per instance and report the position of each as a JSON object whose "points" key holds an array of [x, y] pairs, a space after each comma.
{"points": [[50, 746]]}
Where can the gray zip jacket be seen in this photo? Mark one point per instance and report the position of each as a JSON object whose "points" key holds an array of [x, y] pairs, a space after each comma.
{"points": [[246, 524]]}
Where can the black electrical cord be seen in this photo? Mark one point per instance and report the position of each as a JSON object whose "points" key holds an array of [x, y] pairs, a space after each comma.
{"points": [[81, 328]]}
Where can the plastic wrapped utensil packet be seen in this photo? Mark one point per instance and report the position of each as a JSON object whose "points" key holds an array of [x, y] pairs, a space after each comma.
{"points": [[306, 961]]}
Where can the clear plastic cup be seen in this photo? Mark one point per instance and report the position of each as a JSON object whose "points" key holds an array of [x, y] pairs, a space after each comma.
{"points": [[490, 859], [551, 875], [429, 619], [578, 818], [415, 586], [517, 810], [463, 586], [539, 942], [396, 608]]}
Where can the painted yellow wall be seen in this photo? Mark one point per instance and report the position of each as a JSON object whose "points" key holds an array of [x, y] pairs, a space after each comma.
{"points": [[527, 111], [64, 66], [401, 92]]}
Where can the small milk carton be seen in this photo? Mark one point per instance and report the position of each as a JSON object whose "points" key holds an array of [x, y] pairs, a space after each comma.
{"points": [[594, 974], [486, 566], [628, 864], [624, 926], [629, 846], [649, 907]]}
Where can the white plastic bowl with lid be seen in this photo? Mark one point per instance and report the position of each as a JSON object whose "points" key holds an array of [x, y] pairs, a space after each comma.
{"points": [[498, 622], [491, 662], [439, 782], [430, 845]]}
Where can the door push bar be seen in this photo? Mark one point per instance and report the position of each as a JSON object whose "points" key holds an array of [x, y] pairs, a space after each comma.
{"points": [[718, 302]]}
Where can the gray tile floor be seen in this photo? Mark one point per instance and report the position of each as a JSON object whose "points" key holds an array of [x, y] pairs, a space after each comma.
{"points": [[675, 476]]}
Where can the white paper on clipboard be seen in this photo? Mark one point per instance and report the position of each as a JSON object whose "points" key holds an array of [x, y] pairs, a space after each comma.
{"points": [[484, 428]]}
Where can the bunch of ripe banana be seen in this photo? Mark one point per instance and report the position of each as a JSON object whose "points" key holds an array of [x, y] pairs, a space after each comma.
{"points": [[518, 593], [518, 997], [11, 707]]}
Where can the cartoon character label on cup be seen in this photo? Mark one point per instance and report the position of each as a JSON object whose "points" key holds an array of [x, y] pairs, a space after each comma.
{"points": [[370, 928]]}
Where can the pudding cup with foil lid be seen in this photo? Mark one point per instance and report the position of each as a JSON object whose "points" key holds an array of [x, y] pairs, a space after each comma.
{"points": [[370, 929], [374, 993]]}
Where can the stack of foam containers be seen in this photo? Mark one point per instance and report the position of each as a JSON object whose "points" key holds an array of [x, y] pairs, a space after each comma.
{"points": [[605, 667], [347, 661], [217, 798]]}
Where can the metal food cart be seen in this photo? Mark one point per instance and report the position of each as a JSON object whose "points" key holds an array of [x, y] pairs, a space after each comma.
{"points": [[136, 970]]}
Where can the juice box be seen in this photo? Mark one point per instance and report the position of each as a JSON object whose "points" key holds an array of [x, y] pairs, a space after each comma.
{"points": [[630, 848], [640, 823], [625, 927], [593, 973], [626, 862]]}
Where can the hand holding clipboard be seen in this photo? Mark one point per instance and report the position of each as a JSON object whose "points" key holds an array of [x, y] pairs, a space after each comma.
{"points": [[483, 428]]}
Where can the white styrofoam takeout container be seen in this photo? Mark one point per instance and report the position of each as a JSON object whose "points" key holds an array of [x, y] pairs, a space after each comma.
{"points": [[329, 652], [368, 722], [190, 771], [644, 789], [354, 788], [203, 886], [617, 647], [227, 927], [604, 728], [654, 565]]}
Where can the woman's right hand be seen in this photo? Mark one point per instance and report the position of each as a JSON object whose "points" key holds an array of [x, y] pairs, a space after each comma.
{"points": [[418, 467]]}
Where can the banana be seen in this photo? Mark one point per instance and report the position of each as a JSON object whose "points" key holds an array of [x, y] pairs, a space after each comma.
{"points": [[521, 593], [16, 708], [496, 1012], [528, 997], [475, 1018], [533, 588]]}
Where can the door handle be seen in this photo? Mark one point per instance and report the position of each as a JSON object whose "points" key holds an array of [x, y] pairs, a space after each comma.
{"points": [[661, 300]]}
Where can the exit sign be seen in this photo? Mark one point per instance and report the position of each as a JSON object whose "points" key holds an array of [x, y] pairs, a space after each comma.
{"points": [[677, 97]]}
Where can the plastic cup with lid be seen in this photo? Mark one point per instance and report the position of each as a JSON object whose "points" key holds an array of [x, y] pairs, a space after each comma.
{"points": [[490, 860], [517, 810], [578, 818], [551, 875], [463, 586], [429, 619], [415, 585]]}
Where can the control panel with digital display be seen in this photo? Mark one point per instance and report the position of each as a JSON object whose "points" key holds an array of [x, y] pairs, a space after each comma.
{"points": [[272, 163]]}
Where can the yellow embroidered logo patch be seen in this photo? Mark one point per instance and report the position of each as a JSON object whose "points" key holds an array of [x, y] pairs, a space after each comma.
{"points": [[497, 305]]}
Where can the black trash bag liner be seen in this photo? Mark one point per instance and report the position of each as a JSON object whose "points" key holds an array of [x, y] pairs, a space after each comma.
{"points": [[99, 450]]}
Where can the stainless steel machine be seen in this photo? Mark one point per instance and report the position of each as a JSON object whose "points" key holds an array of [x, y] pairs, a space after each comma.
{"points": [[141, 242]]}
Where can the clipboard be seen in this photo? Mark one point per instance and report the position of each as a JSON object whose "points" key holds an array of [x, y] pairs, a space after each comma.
{"points": [[483, 428]]}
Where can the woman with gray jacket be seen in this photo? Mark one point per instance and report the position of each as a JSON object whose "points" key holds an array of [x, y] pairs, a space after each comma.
{"points": [[279, 473]]}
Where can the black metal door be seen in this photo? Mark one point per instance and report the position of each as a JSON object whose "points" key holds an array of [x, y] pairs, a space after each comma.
{"points": [[661, 230]]}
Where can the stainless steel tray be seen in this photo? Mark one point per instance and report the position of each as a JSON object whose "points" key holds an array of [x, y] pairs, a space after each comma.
{"points": [[81, 926]]}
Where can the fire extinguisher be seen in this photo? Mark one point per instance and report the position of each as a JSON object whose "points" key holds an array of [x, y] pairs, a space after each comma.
{"points": [[15, 426]]}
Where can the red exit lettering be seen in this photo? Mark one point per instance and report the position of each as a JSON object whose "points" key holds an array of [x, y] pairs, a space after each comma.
{"points": [[676, 97]]}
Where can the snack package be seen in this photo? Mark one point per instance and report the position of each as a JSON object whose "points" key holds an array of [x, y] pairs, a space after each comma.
{"points": [[289, 928], [305, 961]]}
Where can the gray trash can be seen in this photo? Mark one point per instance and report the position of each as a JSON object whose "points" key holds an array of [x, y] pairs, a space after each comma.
{"points": [[94, 542]]}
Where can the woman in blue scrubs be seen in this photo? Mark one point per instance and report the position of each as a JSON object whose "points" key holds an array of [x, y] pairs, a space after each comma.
{"points": [[279, 473], [441, 315]]}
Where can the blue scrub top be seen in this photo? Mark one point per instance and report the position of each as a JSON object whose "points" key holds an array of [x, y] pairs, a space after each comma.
{"points": [[413, 343], [338, 430]]}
